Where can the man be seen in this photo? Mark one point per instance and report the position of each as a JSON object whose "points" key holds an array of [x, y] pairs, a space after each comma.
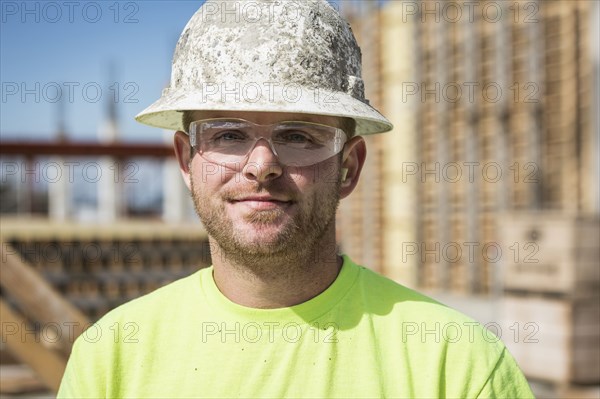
{"points": [[269, 108]]}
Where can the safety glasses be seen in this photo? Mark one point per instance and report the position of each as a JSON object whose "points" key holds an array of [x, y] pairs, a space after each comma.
{"points": [[295, 143]]}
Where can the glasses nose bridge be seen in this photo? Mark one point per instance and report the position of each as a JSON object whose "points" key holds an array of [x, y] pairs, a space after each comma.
{"points": [[269, 142]]}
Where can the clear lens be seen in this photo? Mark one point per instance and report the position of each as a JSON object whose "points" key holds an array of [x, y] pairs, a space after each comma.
{"points": [[294, 143]]}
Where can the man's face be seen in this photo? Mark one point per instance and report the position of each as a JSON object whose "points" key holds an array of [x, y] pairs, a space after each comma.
{"points": [[263, 208]]}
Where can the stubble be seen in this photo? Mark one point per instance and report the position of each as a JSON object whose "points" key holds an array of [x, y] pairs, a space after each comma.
{"points": [[295, 245]]}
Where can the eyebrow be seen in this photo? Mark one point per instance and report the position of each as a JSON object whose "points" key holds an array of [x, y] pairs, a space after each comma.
{"points": [[292, 118]]}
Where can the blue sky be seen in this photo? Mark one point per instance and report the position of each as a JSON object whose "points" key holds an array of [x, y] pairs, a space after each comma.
{"points": [[69, 46], [55, 52]]}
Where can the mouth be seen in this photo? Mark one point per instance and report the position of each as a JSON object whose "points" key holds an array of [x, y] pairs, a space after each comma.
{"points": [[262, 203]]}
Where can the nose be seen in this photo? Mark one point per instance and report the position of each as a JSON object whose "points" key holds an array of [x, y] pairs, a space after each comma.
{"points": [[262, 165]]}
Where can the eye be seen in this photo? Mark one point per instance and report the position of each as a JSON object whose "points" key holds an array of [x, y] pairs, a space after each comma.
{"points": [[294, 137], [229, 136]]}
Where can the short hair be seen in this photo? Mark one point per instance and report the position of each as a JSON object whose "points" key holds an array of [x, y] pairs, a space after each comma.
{"points": [[348, 124], [186, 120]]}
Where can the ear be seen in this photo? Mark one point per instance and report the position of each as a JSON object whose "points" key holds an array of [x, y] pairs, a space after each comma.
{"points": [[353, 159], [181, 143]]}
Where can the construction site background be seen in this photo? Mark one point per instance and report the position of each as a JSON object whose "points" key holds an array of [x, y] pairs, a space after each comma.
{"points": [[485, 196]]}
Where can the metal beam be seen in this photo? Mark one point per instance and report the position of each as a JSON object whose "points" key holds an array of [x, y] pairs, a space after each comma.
{"points": [[118, 150]]}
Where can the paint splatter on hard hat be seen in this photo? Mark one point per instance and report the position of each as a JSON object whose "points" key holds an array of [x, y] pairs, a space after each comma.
{"points": [[295, 56]]}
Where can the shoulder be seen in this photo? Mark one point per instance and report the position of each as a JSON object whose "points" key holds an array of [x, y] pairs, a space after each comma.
{"points": [[159, 303], [112, 344], [171, 292], [385, 296], [414, 321], [139, 318], [431, 334]]}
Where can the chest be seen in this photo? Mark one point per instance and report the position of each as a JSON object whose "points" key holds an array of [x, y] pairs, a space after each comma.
{"points": [[254, 360]]}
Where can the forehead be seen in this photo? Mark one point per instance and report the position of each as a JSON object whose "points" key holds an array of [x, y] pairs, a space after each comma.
{"points": [[267, 118]]}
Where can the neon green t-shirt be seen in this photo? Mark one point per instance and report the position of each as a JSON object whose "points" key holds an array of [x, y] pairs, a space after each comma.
{"points": [[364, 337]]}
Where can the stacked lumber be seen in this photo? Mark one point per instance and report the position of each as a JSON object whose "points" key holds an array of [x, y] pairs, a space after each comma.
{"points": [[552, 295]]}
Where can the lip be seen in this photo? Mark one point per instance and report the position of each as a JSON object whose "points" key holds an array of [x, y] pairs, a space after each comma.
{"points": [[261, 198], [259, 202]]}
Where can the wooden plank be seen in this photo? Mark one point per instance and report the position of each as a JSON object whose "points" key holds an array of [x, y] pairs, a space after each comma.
{"points": [[572, 391], [18, 378], [49, 365], [554, 339], [38, 299]]}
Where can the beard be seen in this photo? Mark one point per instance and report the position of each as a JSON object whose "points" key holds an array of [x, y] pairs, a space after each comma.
{"points": [[262, 250]]}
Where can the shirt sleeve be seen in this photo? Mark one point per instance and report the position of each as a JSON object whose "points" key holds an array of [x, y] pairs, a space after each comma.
{"points": [[68, 385], [82, 378], [506, 380]]}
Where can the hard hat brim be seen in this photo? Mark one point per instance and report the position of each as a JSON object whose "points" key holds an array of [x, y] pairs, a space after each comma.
{"points": [[167, 112]]}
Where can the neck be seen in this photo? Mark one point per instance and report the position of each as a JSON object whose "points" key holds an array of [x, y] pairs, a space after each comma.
{"points": [[277, 282]]}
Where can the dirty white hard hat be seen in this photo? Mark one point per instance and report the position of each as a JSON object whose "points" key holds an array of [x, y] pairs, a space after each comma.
{"points": [[296, 56]]}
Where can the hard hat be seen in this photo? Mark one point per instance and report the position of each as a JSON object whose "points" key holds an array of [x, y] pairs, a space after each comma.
{"points": [[297, 56]]}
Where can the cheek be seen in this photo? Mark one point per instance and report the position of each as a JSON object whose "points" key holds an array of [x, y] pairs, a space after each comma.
{"points": [[210, 174], [329, 171], [326, 172]]}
